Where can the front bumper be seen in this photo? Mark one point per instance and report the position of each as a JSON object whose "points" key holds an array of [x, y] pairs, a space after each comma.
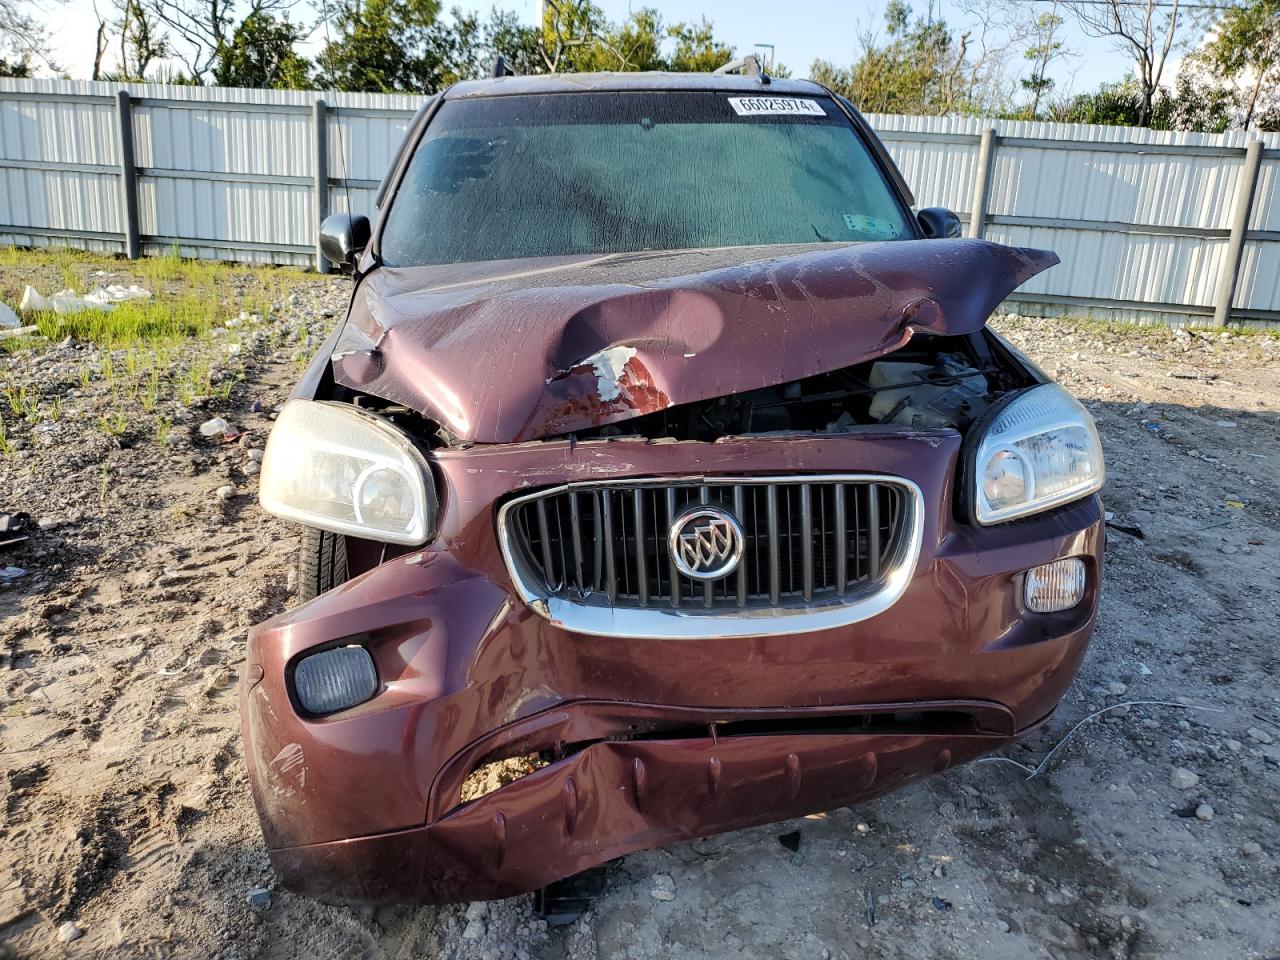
{"points": [[660, 740]]}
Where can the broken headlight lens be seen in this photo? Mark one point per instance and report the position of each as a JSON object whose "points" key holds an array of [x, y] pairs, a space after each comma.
{"points": [[332, 466], [1040, 449]]}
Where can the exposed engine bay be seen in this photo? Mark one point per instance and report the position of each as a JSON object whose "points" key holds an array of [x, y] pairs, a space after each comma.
{"points": [[933, 382]]}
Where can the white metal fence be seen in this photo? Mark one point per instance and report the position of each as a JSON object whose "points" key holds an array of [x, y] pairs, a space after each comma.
{"points": [[1182, 227]]}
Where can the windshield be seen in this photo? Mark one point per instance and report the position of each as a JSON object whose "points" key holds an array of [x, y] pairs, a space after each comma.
{"points": [[561, 174]]}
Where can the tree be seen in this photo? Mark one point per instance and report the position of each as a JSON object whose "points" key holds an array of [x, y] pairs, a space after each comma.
{"points": [[1245, 52], [1144, 29], [203, 28], [922, 68], [1192, 105], [1045, 47], [261, 54], [376, 45], [23, 39], [697, 49], [402, 46], [570, 29], [142, 41], [635, 44], [518, 45]]}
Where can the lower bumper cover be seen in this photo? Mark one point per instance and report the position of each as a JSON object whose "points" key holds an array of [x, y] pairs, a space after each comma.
{"points": [[614, 798]]}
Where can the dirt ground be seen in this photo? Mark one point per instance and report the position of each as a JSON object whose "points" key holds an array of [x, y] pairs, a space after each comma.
{"points": [[126, 806]]}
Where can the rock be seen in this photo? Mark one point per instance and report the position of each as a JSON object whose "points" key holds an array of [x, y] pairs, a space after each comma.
{"points": [[1258, 735], [211, 428], [1117, 689], [11, 573], [663, 888], [1204, 812], [947, 809], [1251, 848], [226, 492], [256, 455], [478, 910], [475, 930], [259, 898], [1183, 779], [252, 468], [69, 931], [1002, 926], [1235, 746]]}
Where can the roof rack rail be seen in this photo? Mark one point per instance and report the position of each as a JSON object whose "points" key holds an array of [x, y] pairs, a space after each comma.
{"points": [[499, 67], [750, 65]]}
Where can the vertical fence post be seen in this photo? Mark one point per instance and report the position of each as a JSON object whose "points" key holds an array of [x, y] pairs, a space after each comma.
{"points": [[1246, 187], [320, 159], [982, 182], [128, 173]]}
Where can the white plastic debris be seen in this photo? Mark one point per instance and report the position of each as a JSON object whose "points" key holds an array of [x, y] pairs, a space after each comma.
{"points": [[68, 301], [213, 427], [7, 317]]}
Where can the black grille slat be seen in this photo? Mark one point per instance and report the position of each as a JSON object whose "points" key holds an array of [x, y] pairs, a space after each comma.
{"points": [[806, 541], [873, 531]]}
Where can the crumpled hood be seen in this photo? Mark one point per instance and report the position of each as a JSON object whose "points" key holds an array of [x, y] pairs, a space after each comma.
{"points": [[520, 350]]}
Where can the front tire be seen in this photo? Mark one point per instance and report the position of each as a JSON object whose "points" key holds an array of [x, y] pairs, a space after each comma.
{"points": [[322, 562]]}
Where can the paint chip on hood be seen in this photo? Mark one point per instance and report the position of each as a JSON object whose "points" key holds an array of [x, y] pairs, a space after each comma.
{"points": [[608, 365]]}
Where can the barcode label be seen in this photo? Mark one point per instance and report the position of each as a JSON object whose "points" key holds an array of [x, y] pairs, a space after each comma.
{"points": [[758, 106]]}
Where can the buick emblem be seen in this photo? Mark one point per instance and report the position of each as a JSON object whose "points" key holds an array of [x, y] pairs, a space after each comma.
{"points": [[706, 542]]}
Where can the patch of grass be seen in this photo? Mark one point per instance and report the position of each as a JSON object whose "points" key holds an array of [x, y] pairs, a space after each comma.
{"points": [[114, 424], [22, 402], [134, 321], [6, 447], [163, 427]]}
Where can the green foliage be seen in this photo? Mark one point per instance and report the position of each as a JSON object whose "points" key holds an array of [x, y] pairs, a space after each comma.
{"points": [[17, 67], [1192, 105], [697, 49], [407, 46], [1045, 47], [921, 68], [261, 54], [380, 46], [1245, 52], [519, 45]]}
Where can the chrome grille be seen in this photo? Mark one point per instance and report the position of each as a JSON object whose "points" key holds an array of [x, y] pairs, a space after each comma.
{"points": [[808, 541]]}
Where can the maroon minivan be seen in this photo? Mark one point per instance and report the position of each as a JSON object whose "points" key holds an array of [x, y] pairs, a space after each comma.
{"points": [[662, 479]]}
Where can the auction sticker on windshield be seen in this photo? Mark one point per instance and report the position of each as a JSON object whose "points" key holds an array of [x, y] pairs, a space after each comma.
{"points": [[757, 106]]}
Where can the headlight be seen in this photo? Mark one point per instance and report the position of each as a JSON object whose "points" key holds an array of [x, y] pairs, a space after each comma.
{"points": [[331, 466], [1039, 450]]}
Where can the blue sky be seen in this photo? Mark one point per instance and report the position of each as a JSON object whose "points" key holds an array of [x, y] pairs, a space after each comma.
{"points": [[800, 31]]}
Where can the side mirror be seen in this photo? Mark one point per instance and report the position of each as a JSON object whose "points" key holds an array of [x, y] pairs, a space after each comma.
{"points": [[939, 223], [343, 238]]}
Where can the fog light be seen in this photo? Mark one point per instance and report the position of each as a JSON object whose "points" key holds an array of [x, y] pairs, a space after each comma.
{"points": [[1055, 586], [335, 680]]}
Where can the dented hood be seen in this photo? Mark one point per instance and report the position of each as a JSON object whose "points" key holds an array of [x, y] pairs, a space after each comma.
{"points": [[519, 350]]}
